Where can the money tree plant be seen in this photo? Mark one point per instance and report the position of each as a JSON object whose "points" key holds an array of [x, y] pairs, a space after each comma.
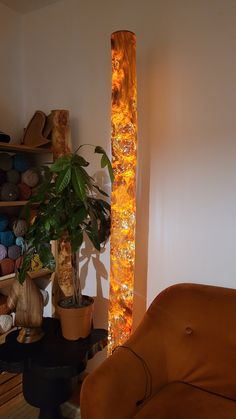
{"points": [[71, 206]]}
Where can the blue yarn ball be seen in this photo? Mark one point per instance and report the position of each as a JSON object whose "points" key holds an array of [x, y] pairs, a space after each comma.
{"points": [[7, 238], [3, 222], [21, 163]]}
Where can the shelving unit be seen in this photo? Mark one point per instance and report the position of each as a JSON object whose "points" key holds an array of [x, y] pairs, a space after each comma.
{"points": [[11, 383], [6, 281]]}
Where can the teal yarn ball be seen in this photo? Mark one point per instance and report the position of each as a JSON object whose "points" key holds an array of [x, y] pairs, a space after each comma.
{"points": [[13, 176], [3, 252], [20, 242], [7, 238], [3, 222], [6, 161], [21, 163]]}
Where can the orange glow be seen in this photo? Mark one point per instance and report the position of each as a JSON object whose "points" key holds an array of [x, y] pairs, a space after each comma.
{"points": [[123, 200]]}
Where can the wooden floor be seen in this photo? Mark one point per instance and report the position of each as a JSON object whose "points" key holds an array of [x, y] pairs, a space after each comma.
{"points": [[17, 408]]}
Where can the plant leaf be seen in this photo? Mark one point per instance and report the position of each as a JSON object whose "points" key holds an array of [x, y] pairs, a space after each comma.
{"points": [[76, 240], [78, 183], [105, 161], [79, 160], [63, 180], [61, 163]]}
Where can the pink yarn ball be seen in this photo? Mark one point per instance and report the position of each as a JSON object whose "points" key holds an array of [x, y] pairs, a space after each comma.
{"points": [[7, 266], [3, 252], [18, 262]]}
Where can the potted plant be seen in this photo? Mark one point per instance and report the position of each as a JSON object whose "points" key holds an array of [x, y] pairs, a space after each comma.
{"points": [[70, 206]]}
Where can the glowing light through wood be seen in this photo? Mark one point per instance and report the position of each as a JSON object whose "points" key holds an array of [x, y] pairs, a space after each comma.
{"points": [[123, 201]]}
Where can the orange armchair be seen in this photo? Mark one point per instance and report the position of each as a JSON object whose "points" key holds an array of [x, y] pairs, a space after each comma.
{"points": [[180, 363]]}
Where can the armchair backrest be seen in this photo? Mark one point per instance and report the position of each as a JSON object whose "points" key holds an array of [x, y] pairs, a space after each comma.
{"points": [[189, 334]]}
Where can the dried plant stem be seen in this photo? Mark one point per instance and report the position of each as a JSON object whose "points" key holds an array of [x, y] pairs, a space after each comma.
{"points": [[77, 295]]}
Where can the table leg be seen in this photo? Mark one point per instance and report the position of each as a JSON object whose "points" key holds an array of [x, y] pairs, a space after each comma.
{"points": [[46, 393], [54, 413]]}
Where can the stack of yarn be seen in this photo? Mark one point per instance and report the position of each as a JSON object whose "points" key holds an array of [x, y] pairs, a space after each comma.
{"points": [[17, 179], [12, 243]]}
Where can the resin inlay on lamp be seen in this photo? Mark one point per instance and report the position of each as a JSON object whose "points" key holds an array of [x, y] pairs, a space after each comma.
{"points": [[123, 201]]}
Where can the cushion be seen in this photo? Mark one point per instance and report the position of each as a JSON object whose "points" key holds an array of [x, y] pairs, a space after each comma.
{"points": [[183, 401]]}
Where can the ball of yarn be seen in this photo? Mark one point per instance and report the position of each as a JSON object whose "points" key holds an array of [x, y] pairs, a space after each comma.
{"points": [[3, 252], [24, 192], [13, 176], [45, 295], [11, 222], [7, 238], [21, 163], [20, 228], [18, 262], [4, 309], [6, 323], [20, 241], [3, 222], [30, 178], [14, 252], [3, 176], [9, 192], [7, 266], [6, 161]]}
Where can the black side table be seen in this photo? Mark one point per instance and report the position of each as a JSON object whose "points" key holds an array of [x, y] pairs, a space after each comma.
{"points": [[49, 364]]}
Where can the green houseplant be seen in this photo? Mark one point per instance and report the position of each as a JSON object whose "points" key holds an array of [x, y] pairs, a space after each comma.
{"points": [[70, 205]]}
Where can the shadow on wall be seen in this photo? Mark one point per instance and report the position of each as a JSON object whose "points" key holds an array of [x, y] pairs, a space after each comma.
{"points": [[87, 255]]}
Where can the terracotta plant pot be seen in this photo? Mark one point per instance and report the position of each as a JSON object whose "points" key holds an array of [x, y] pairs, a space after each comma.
{"points": [[76, 322]]}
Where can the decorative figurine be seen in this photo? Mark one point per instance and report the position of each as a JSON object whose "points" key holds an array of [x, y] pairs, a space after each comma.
{"points": [[27, 301]]}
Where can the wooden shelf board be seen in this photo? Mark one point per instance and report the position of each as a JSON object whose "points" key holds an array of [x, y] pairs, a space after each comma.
{"points": [[12, 203], [6, 281], [41, 273], [22, 147]]}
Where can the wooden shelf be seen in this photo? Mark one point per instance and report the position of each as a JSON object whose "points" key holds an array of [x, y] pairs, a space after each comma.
{"points": [[7, 280], [21, 147], [12, 203]]}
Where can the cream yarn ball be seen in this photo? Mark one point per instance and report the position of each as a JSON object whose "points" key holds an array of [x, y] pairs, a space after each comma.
{"points": [[6, 323], [20, 228], [30, 178]]}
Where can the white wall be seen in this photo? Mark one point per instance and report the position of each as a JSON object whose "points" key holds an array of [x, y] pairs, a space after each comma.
{"points": [[186, 67], [10, 73], [193, 147]]}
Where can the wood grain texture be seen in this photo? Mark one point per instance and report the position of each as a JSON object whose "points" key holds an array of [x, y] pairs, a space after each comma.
{"points": [[61, 144]]}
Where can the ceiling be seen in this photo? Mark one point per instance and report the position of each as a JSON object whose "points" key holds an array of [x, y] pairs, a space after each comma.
{"points": [[25, 6]]}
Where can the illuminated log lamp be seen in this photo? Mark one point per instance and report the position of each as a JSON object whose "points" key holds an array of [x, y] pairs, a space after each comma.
{"points": [[123, 199]]}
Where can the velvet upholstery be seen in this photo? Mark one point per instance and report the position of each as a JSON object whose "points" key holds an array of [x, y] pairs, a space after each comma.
{"points": [[179, 363]]}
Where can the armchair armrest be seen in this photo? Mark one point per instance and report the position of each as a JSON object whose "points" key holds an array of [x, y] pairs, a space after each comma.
{"points": [[114, 388], [129, 376]]}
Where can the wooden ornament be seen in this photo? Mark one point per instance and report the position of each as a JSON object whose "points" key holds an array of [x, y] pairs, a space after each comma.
{"points": [[27, 301], [33, 136]]}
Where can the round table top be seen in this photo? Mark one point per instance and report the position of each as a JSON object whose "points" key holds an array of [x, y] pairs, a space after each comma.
{"points": [[53, 355]]}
